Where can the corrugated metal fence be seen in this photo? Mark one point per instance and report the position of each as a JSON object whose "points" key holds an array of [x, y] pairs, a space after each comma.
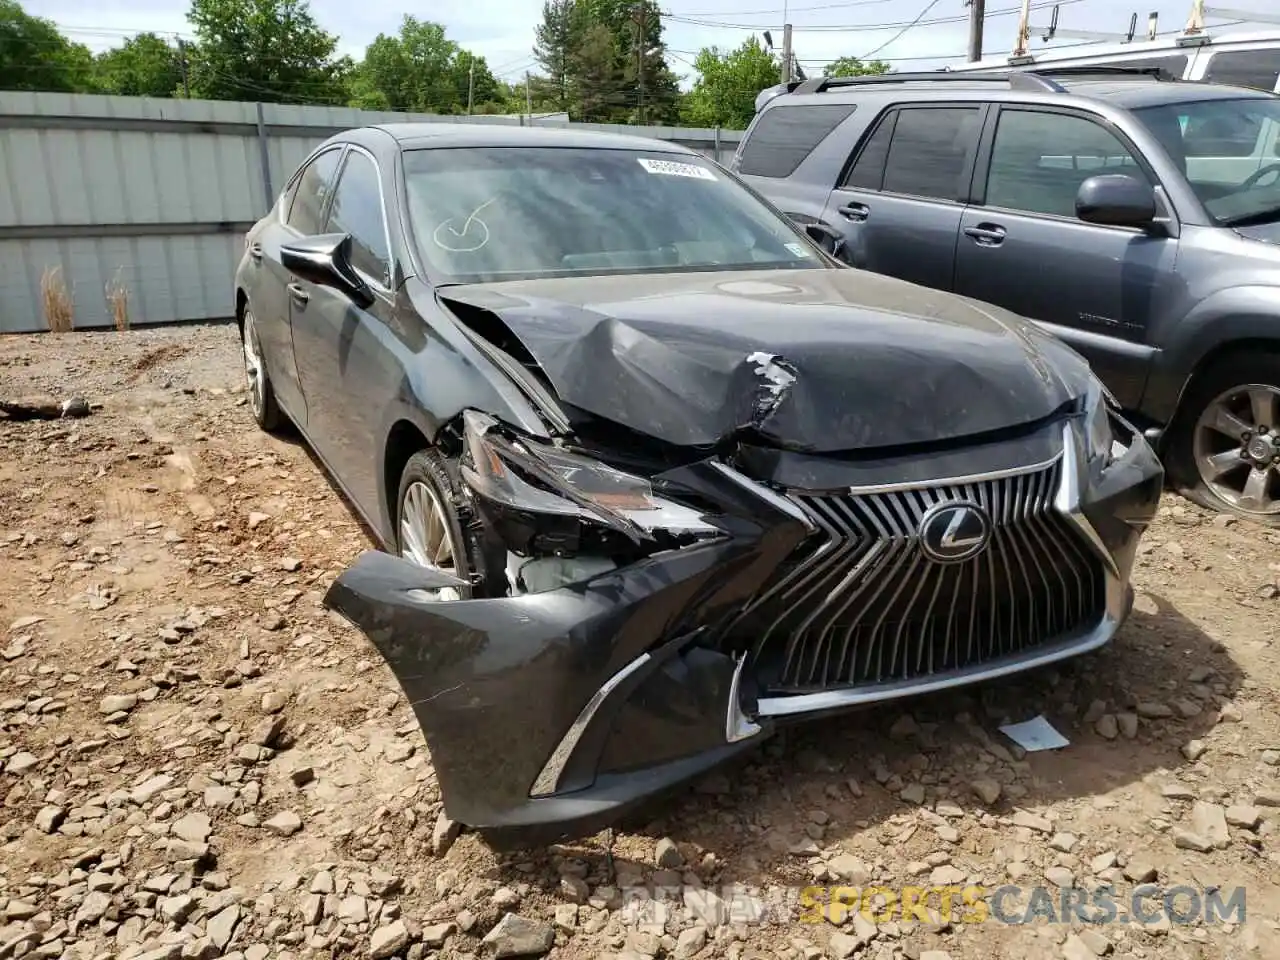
{"points": [[154, 195]]}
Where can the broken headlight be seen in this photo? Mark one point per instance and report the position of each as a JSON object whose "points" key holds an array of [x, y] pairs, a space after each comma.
{"points": [[1099, 408], [545, 500]]}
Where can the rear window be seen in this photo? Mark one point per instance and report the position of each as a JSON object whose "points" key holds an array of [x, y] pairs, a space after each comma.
{"points": [[784, 136], [1245, 68]]}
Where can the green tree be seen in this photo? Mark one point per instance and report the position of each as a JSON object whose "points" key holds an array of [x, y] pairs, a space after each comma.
{"points": [[724, 93], [34, 55], [143, 66], [474, 83], [270, 50], [853, 67], [556, 41], [413, 71], [598, 80]]}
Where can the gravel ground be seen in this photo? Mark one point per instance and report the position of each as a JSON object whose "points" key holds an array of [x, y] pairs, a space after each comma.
{"points": [[199, 761]]}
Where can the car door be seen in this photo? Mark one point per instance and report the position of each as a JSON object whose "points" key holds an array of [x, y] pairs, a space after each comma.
{"points": [[347, 374], [1022, 247], [899, 201], [268, 290]]}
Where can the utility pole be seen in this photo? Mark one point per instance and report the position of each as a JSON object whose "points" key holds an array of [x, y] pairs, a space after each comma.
{"points": [[977, 13], [528, 98], [786, 53], [640, 13], [471, 84], [182, 67]]}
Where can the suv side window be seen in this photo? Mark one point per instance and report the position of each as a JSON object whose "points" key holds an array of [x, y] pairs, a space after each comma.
{"points": [[929, 152], [1039, 160], [312, 191], [357, 210], [1245, 68], [867, 172], [785, 135]]}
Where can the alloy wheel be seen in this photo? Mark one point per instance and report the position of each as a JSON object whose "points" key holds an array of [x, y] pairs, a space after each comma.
{"points": [[1237, 448], [425, 539], [254, 372]]}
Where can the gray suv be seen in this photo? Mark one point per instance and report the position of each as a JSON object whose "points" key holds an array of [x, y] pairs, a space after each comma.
{"points": [[1134, 216]]}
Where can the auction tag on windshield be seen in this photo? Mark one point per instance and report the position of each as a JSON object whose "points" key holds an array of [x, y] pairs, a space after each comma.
{"points": [[672, 169]]}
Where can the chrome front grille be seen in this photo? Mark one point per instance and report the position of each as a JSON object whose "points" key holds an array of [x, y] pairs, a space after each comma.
{"points": [[863, 603]]}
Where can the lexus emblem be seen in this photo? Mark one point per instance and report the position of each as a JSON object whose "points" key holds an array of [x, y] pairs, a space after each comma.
{"points": [[954, 531]]}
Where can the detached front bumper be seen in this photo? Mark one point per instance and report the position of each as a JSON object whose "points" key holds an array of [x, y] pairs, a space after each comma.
{"points": [[548, 715]]}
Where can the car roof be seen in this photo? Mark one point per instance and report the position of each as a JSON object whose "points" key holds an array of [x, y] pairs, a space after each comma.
{"points": [[415, 136], [1133, 93]]}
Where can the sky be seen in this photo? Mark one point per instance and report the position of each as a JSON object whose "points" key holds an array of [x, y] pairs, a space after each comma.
{"points": [[502, 30]]}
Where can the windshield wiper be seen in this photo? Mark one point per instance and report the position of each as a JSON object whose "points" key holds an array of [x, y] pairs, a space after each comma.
{"points": [[1257, 218]]}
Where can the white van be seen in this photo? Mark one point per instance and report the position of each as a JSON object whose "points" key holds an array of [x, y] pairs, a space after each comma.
{"points": [[1246, 59]]}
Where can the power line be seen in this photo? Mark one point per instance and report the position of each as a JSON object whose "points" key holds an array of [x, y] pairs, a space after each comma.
{"points": [[897, 36], [869, 27]]}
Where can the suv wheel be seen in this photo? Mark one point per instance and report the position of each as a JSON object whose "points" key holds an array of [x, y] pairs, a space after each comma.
{"points": [[262, 399], [1225, 451]]}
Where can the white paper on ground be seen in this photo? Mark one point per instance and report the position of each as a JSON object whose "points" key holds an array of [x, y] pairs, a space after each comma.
{"points": [[1035, 734]]}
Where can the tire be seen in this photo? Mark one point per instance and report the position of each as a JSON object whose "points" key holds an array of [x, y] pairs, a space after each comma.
{"points": [[429, 480], [262, 398], [1226, 392]]}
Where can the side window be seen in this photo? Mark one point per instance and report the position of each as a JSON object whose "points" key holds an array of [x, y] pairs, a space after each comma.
{"points": [[1039, 160], [784, 136], [357, 210], [1222, 133], [867, 172], [930, 150], [312, 191], [1245, 68]]}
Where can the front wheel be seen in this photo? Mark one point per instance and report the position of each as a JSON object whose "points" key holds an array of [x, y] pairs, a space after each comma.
{"points": [[1224, 452], [429, 532]]}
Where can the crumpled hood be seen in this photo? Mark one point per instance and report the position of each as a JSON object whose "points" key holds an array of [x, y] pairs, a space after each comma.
{"points": [[817, 360]]}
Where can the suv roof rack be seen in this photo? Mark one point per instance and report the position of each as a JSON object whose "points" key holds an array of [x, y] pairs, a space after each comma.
{"points": [[1019, 78]]}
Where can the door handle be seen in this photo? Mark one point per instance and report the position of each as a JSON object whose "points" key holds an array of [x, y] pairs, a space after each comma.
{"points": [[857, 212], [255, 251], [986, 234], [298, 293]]}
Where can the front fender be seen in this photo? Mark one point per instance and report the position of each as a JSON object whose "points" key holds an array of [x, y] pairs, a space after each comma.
{"points": [[1234, 315]]}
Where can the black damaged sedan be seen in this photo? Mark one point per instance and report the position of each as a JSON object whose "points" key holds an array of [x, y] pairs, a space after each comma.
{"points": [[654, 473]]}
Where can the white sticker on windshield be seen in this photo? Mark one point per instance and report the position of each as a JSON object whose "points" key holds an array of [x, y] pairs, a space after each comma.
{"points": [[797, 249], [672, 169]]}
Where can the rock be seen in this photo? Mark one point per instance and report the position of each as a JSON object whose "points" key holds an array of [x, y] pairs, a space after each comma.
{"points": [[1031, 821], [945, 876], [177, 909], [21, 762], [274, 701], [1187, 840], [1193, 750], [117, 703], [445, 833], [1267, 798], [574, 889], [194, 827], [290, 564], [257, 519], [222, 925], [1210, 822], [1243, 816], [389, 940], [935, 955], [1098, 945], [93, 907], [850, 869], [144, 792], [517, 936], [49, 818], [1154, 710], [1177, 791], [1060, 877], [435, 935], [690, 942], [286, 823], [1107, 726], [667, 855], [1230, 713], [1064, 842], [1139, 871], [1128, 723], [913, 793]]}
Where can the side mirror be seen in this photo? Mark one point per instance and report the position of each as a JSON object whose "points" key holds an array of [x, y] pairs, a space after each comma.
{"points": [[1116, 200], [824, 236], [326, 259]]}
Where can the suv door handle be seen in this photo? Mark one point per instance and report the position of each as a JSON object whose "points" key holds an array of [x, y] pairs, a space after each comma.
{"points": [[299, 294], [986, 234], [857, 212], [255, 250]]}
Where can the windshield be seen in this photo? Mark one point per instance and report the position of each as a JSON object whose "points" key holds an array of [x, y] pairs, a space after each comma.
{"points": [[1230, 150], [502, 213]]}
